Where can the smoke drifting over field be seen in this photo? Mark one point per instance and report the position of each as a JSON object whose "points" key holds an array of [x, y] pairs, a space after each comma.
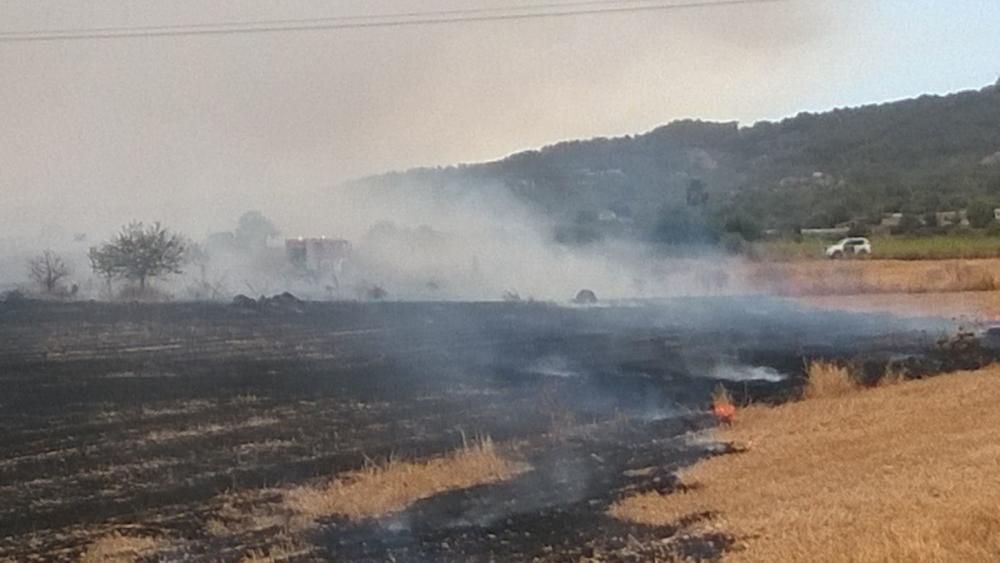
{"points": [[468, 243], [414, 242], [188, 130], [482, 243]]}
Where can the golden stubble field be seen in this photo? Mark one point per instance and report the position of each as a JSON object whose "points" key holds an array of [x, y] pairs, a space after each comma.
{"points": [[967, 290], [903, 472], [856, 277], [969, 306]]}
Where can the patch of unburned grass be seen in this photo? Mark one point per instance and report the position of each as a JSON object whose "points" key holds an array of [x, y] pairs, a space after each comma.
{"points": [[250, 448], [828, 380], [246, 399], [239, 513], [159, 436], [380, 489], [172, 409], [971, 306], [860, 277], [907, 472], [287, 549], [286, 514], [118, 548]]}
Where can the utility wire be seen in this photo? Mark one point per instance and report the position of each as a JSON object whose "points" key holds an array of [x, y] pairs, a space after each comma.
{"points": [[525, 12], [338, 19]]}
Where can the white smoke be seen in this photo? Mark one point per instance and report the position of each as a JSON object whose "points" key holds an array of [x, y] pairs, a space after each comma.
{"points": [[729, 372]]}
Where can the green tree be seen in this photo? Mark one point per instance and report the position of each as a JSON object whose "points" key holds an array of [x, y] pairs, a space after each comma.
{"points": [[980, 215], [139, 253]]}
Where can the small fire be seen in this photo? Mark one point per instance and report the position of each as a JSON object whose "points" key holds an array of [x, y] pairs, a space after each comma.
{"points": [[722, 406], [724, 413]]}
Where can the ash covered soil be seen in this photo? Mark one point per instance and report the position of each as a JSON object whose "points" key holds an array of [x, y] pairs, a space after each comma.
{"points": [[139, 418]]}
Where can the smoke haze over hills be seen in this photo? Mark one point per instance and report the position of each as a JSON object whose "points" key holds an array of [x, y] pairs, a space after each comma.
{"points": [[192, 130]]}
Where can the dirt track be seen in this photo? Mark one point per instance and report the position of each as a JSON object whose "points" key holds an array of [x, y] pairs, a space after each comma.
{"points": [[139, 417]]}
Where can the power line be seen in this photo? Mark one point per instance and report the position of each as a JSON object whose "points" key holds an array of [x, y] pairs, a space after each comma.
{"points": [[526, 12], [336, 19]]}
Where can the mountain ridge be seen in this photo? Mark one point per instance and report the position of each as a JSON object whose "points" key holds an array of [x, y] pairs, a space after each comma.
{"points": [[815, 169]]}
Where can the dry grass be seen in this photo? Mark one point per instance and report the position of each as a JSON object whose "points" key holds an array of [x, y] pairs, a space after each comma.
{"points": [[974, 306], [242, 512], [382, 489], [906, 472], [828, 381], [287, 549], [246, 399], [202, 430], [819, 277], [118, 548], [376, 490], [892, 376]]}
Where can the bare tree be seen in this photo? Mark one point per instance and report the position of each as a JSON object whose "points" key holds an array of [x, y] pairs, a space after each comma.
{"points": [[205, 286], [48, 270]]}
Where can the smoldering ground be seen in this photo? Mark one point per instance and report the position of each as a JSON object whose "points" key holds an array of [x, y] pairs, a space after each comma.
{"points": [[179, 393]]}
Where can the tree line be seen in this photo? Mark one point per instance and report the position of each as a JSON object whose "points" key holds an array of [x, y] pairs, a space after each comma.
{"points": [[137, 253], [142, 252]]}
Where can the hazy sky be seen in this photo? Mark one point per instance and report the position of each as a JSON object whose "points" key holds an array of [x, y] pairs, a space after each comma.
{"points": [[194, 130]]}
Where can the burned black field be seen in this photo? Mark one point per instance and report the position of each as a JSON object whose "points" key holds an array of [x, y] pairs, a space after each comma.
{"points": [[148, 420]]}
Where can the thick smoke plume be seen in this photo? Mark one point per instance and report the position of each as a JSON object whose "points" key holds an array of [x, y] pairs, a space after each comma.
{"points": [[466, 243]]}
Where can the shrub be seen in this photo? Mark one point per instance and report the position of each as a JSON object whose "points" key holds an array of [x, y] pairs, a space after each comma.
{"points": [[828, 380], [13, 297], [893, 376]]}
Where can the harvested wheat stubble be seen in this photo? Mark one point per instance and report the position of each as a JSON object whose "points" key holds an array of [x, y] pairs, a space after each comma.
{"points": [[907, 472], [286, 550], [970, 306], [381, 489], [118, 548], [817, 277]]}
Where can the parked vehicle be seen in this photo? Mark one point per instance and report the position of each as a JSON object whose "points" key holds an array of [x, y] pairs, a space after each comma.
{"points": [[849, 247]]}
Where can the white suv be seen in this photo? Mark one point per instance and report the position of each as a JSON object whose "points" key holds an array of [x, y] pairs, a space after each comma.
{"points": [[849, 247]]}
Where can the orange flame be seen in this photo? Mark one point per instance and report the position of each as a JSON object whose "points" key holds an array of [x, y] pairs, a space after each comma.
{"points": [[724, 412]]}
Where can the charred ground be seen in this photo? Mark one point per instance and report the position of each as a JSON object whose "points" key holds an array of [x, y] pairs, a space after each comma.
{"points": [[139, 417]]}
